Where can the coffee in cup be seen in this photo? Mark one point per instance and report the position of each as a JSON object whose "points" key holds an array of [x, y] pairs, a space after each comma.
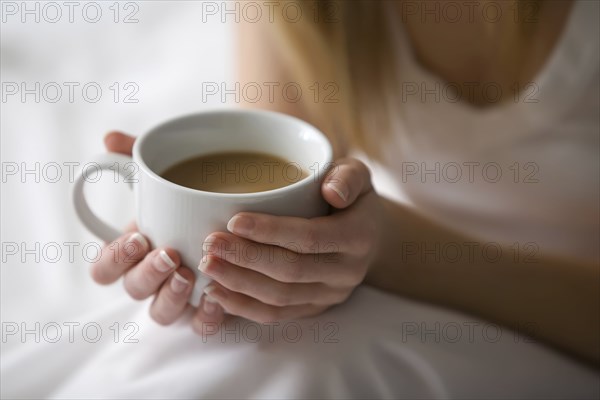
{"points": [[235, 172]]}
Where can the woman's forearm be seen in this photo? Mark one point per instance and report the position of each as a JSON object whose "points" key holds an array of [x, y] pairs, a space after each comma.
{"points": [[552, 300]]}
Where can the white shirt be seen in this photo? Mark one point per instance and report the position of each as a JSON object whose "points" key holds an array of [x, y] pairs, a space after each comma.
{"points": [[446, 156]]}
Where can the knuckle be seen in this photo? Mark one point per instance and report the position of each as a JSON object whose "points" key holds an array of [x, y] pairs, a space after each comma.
{"points": [[265, 223], [270, 227], [359, 276], [362, 244], [292, 272], [353, 277], [340, 297], [233, 304], [170, 298], [230, 281], [281, 297], [357, 273], [134, 289], [199, 326], [160, 316], [99, 275], [311, 236]]}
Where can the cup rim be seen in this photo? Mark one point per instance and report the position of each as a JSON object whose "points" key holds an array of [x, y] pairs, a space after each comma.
{"points": [[136, 152]]}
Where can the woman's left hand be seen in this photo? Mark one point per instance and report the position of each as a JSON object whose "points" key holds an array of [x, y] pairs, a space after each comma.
{"points": [[269, 268]]}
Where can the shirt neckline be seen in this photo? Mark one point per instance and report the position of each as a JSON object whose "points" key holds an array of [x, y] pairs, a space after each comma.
{"points": [[566, 70]]}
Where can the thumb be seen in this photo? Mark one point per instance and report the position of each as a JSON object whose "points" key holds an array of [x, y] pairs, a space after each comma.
{"points": [[347, 180], [118, 142]]}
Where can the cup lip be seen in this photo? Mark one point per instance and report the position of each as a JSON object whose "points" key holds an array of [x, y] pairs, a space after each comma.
{"points": [[137, 156]]}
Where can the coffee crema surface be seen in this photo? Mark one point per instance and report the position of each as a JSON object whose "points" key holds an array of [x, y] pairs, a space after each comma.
{"points": [[235, 172]]}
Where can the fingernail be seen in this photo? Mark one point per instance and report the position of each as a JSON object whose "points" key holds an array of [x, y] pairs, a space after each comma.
{"points": [[241, 225], [216, 269], [336, 187], [179, 283], [139, 244], [208, 243], [203, 264], [210, 304], [163, 263]]}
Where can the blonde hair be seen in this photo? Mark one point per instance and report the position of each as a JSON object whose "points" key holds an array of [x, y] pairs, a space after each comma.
{"points": [[348, 43], [331, 48]]}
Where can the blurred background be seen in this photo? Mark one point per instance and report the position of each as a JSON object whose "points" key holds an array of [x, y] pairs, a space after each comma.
{"points": [[69, 75]]}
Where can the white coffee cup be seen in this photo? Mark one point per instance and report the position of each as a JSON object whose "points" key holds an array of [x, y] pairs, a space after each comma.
{"points": [[179, 217]]}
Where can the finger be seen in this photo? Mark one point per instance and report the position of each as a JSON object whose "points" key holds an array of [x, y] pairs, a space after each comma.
{"points": [[265, 289], [118, 142], [282, 264], [118, 256], [247, 307], [131, 227], [208, 317], [171, 300], [309, 236], [346, 181], [145, 278]]}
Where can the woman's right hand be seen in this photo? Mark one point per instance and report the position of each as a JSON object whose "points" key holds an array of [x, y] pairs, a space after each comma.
{"points": [[150, 272]]}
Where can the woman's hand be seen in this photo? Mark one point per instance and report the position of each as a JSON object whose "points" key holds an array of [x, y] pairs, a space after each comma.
{"points": [[145, 272], [266, 268], [269, 268]]}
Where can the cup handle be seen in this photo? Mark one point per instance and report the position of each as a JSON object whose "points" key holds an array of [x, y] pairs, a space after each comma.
{"points": [[115, 162]]}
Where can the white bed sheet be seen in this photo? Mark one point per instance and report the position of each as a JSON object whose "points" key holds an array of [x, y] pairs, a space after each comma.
{"points": [[374, 346]]}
